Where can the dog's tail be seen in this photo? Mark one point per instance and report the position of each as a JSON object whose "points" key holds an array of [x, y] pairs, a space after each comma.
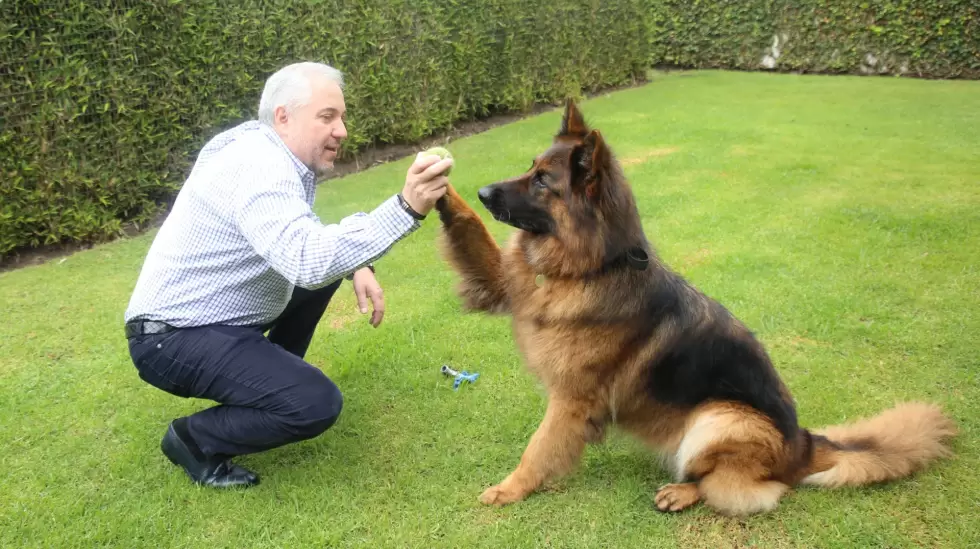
{"points": [[891, 445]]}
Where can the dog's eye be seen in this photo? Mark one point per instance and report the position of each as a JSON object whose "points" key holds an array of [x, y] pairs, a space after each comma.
{"points": [[538, 182]]}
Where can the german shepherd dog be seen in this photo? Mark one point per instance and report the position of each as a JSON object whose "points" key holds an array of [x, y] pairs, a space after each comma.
{"points": [[617, 338]]}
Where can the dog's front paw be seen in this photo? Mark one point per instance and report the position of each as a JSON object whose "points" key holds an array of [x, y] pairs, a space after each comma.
{"points": [[449, 201], [501, 494], [452, 207]]}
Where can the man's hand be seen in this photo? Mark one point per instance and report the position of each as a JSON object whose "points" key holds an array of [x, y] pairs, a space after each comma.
{"points": [[425, 182], [367, 287]]}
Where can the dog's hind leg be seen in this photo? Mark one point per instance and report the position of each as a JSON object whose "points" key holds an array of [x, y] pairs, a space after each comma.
{"points": [[735, 492], [677, 497], [733, 453], [473, 253], [728, 491], [554, 450]]}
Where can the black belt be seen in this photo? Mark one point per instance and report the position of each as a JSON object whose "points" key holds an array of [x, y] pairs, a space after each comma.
{"points": [[147, 327]]}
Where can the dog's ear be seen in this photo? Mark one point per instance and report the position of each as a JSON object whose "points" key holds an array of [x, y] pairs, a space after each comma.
{"points": [[572, 123], [589, 161]]}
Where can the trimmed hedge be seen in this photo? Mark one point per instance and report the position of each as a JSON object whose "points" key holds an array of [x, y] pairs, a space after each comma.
{"points": [[921, 38], [104, 104]]}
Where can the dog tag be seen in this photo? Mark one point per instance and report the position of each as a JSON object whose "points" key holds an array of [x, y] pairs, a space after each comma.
{"points": [[539, 280]]}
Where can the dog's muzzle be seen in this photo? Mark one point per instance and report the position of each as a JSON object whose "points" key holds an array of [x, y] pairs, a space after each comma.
{"points": [[487, 195]]}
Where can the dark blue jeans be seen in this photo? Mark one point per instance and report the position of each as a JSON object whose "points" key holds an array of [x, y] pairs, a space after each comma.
{"points": [[268, 395]]}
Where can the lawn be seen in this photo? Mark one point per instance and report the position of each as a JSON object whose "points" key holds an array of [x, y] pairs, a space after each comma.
{"points": [[839, 217]]}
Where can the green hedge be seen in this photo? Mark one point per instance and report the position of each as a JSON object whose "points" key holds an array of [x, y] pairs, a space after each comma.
{"points": [[103, 104], [921, 38]]}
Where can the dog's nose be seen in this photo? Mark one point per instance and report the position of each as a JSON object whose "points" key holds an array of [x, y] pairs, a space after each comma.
{"points": [[485, 193]]}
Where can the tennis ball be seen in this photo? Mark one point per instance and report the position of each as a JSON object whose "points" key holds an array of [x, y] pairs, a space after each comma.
{"points": [[441, 153]]}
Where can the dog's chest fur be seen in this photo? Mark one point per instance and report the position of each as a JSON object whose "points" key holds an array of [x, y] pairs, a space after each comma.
{"points": [[560, 332]]}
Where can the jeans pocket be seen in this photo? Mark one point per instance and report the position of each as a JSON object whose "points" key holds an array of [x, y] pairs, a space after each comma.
{"points": [[160, 370]]}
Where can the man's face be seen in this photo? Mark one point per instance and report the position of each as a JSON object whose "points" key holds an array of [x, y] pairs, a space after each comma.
{"points": [[314, 131]]}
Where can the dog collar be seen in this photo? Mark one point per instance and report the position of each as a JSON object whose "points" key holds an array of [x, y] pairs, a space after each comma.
{"points": [[637, 258]]}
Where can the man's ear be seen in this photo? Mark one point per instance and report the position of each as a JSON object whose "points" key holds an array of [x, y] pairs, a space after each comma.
{"points": [[280, 116], [572, 123]]}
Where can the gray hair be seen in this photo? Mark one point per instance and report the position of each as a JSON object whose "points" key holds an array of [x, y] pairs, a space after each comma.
{"points": [[290, 87]]}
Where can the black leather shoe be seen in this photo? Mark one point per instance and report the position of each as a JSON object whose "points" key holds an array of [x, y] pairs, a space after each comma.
{"points": [[214, 472]]}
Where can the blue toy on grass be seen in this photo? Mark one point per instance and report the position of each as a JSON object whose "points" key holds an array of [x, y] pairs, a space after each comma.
{"points": [[460, 376]]}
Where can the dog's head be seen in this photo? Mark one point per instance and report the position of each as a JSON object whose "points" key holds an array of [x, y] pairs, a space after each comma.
{"points": [[573, 204]]}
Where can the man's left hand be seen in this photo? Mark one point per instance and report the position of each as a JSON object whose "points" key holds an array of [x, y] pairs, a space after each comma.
{"points": [[367, 287]]}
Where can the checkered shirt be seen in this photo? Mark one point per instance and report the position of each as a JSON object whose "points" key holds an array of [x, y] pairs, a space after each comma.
{"points": [[241, 235]]}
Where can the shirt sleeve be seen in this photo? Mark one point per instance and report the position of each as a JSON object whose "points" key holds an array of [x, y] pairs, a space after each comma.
{"points": [[282, 228]]}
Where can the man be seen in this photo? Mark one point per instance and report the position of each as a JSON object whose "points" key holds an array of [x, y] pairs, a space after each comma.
{"points": [[241, 253]]}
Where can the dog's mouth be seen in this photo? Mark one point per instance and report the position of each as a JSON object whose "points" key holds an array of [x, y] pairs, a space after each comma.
{"points": [[513, 210], [530, 226], [500, 215], [535, 225]]}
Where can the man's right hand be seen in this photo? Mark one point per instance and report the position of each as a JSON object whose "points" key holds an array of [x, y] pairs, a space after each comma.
{"points": [[425, 182]]}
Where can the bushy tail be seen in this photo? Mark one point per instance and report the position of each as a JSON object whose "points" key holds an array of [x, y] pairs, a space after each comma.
{"points": [[893, 444]]}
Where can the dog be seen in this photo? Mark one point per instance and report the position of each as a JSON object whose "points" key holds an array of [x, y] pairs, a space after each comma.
{"points": [[618, 339]]}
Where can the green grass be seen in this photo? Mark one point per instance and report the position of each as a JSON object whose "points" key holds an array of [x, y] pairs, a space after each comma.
{"points": [[838, 217]]}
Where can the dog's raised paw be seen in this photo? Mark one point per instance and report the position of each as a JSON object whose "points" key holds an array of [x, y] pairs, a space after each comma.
{"points": [[676, 497]]}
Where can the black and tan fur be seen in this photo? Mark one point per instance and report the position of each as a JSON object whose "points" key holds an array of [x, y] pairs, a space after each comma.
{"points": [[619, 339]]}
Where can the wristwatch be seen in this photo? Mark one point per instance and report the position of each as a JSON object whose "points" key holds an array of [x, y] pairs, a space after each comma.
{"points": [[411, 211], [351, 276]]}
